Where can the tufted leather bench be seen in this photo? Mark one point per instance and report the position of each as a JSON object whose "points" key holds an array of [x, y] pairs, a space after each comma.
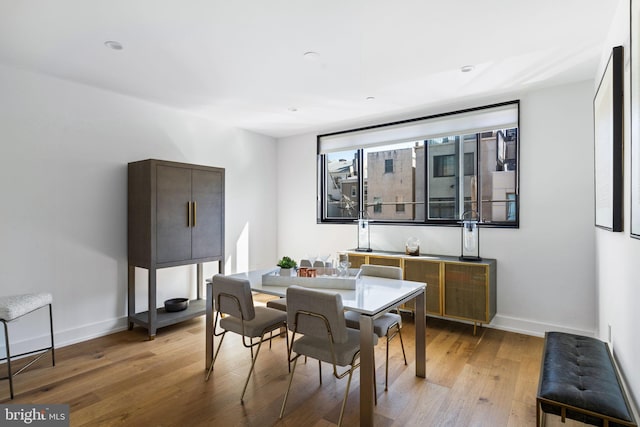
{"points": [[578, 380]]}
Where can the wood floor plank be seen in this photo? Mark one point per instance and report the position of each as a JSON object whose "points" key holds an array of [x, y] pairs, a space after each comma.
{"points": [[126, 380]]}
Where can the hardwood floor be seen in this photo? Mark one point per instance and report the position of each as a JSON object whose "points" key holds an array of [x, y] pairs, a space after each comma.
{"points": [[123, 379]]}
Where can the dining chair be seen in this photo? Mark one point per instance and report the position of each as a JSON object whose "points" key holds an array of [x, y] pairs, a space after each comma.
{"points": [[235, 312], [305, 263], [319, 317], [278, 304], [389, 324]]}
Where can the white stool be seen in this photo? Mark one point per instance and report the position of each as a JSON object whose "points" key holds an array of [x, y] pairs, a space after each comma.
{"points": [[15, 306]]}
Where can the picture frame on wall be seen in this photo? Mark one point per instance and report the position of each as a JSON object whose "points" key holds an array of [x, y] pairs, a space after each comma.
{"points": [[635, 119], [608, 111]]}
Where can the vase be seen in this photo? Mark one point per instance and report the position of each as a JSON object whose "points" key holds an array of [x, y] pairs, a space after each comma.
{"points": [[285, 271]]}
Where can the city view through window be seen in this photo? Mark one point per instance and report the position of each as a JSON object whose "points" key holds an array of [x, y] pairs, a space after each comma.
{"points": [[427, 181]]}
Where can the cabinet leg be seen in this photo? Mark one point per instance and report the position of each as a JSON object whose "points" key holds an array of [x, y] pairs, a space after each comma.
{"points": [[474, 328], [199, 281], [130, 325], [153, 314]]}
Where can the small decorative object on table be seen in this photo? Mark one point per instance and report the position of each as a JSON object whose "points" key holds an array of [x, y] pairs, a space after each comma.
{"points": [[320, 280], [412, 247], [286, 264], [343, 263]]}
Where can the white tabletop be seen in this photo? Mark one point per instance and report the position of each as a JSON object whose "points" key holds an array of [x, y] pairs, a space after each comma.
{"points": [[372, 296]]}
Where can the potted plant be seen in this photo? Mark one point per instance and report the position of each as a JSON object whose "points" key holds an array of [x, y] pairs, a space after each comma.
{"points": [[286, 264]]}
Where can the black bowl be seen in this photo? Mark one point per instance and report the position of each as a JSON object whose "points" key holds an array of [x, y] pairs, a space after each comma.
{"points": [[176, 304]]}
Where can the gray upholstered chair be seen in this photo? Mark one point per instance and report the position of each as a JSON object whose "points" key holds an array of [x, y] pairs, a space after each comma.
{"points": [[387, 325], [232, 297], [278, 304], [305, 263], [319, 317], [14, 307]]}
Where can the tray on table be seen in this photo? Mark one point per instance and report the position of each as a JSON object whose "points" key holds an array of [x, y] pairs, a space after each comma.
{"points": [[323, 279]]}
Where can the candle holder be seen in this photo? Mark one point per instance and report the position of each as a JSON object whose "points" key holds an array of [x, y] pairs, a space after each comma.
{"points": [[364, 233], [470, 237]]}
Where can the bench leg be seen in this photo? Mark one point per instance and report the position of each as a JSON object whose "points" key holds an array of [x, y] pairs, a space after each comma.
{"points": [[539, 414], [9, 372]]}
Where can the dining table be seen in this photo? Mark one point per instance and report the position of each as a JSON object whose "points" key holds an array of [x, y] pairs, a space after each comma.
{"points": [[371, 298]]}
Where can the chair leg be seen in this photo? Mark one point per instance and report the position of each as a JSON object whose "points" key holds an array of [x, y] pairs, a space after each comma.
{"points": [[375, 383], [346, 394], [215, 356], [10, 374], [286, 395], [253, 364], [53, 351], [402, 344], [286, 349], [320, 371], [386, 366], [386, 373]]}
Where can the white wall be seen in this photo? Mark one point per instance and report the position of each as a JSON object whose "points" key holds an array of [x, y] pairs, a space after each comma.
{"points": [[64, 148], [617, 254], [545, 268]]}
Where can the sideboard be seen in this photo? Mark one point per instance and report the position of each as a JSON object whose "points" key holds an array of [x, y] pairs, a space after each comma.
{"points": [[464, 290]]}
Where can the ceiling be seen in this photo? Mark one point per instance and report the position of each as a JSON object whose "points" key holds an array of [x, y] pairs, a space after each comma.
{"points": [[242, 62]]}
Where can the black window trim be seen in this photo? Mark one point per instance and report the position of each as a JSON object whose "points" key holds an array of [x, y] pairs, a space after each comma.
{"points": [[321, 175]]}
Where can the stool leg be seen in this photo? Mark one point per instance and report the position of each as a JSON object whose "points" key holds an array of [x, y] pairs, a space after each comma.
{"points": [[53, 351], [6, 340]]}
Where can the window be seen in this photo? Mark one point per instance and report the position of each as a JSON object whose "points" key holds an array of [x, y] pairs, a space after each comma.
{"points": [[426, 171], [388, 166], [377, 205], [443, 165], [469, 164], [341, 185]]}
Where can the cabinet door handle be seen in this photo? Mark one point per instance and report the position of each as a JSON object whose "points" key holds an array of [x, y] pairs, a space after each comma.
{"points": [[188, 214], [195, 211]]}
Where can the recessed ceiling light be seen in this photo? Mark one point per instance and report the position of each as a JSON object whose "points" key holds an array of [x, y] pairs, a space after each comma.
{"points": [[311, 56], [466, 68], [112, 44]]}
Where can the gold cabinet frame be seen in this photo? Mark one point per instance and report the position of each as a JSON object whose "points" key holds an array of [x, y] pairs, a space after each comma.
{"points": [[456, 289]]}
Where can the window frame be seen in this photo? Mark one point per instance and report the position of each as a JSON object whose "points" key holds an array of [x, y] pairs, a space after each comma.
{"points": [[388, 166], [322, 171]]}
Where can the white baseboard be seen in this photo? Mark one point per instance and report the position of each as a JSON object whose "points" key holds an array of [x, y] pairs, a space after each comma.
{"points": [[99, 329], [532, 327], [65, 337], [90, 331]]}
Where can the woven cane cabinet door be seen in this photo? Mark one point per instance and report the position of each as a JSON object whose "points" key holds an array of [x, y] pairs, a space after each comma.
{"points": [[429, 272], [389, 261], [470, 291]]}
